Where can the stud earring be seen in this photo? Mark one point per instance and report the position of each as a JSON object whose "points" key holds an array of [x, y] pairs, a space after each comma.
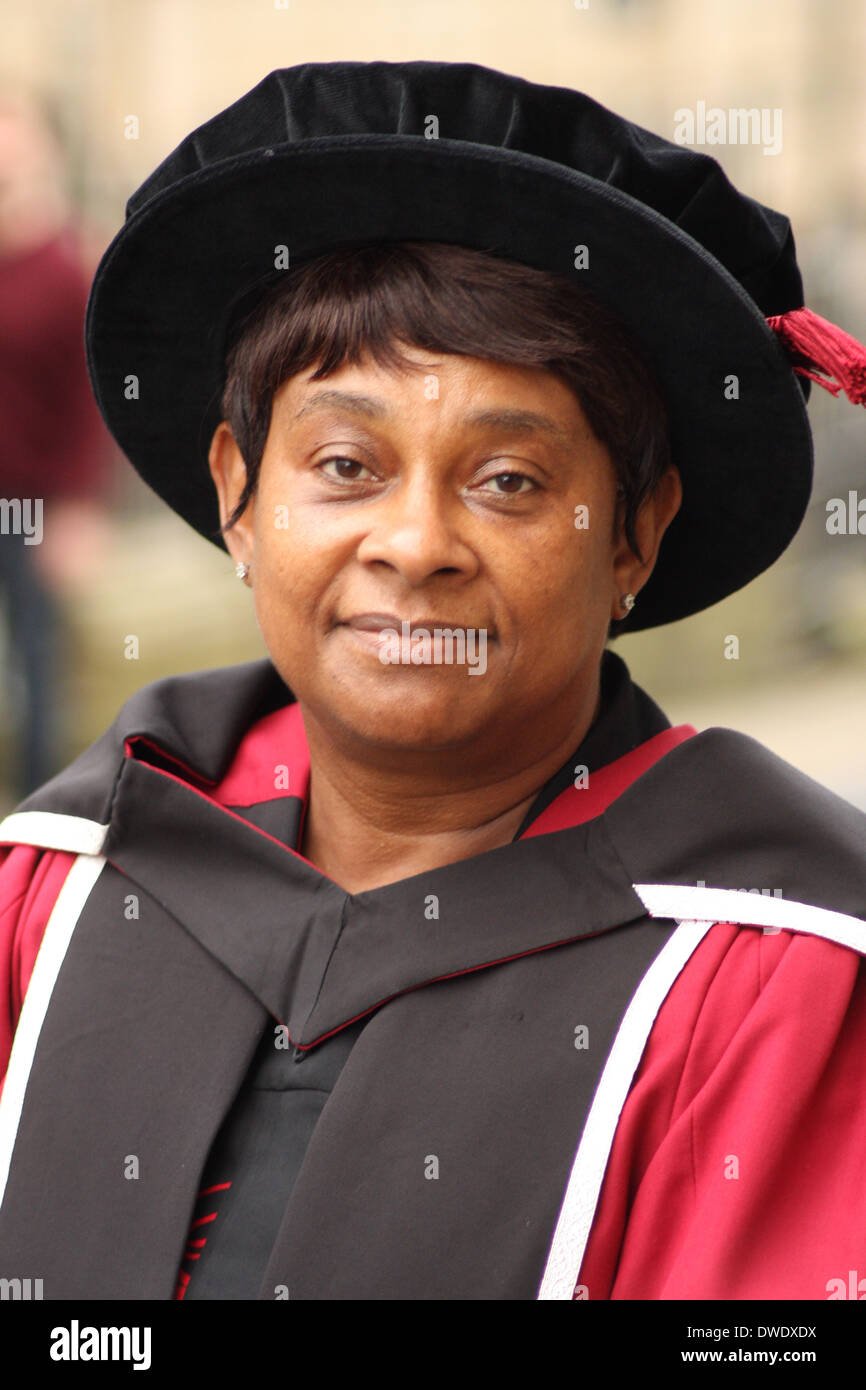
{"points": [[242, 569], [627, 601]]}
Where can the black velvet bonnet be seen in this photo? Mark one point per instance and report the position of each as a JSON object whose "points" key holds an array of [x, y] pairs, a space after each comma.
{"points": [[328, 155]]}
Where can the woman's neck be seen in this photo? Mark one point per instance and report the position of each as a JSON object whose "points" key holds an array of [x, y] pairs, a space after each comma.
{"points": [[365, 828]]}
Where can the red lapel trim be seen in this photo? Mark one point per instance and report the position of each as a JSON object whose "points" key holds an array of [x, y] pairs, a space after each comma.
{"points": [[578, 804]]}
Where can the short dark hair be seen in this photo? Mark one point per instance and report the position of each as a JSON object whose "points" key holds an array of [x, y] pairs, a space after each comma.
{"points": [[439, 297]]}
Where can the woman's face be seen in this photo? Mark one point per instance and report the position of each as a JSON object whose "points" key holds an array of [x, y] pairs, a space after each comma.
{"points": [[465, 495]]}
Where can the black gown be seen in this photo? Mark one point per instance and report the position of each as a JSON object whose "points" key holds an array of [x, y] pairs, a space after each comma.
{"points": [[460, 1044], [261, 1145]]}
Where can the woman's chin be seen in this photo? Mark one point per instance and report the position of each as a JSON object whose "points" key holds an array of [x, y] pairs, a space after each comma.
{"points": [[417, 714]]}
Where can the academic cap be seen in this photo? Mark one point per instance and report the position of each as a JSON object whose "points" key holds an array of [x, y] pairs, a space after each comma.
{"points": [[327, 155]]}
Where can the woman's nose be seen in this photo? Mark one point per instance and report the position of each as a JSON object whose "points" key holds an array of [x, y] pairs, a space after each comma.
{"points": [[417, 531]]}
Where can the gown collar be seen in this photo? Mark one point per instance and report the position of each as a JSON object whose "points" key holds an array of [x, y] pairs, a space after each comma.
{"points": [[222, 859]]}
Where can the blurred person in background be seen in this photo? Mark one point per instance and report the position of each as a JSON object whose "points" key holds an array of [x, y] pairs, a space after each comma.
{"points": [[55, 450]]}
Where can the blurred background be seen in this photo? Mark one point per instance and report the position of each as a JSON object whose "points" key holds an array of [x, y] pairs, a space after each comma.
{"points": [[95, 93]]}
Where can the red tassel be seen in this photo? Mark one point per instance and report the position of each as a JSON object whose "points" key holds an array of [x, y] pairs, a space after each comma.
{"points": [[827, 349]]}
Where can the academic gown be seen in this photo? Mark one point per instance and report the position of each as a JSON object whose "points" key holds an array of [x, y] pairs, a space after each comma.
{"points": [[620, 1057]]}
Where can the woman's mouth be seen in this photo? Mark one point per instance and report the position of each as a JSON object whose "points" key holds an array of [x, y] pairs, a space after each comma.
{"points": [[419, 642]]}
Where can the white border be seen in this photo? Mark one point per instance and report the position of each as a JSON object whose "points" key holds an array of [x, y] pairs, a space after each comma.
{"points": [[50, 830], [696, 910], [590, 1162], [61, 924], [750, 909]]}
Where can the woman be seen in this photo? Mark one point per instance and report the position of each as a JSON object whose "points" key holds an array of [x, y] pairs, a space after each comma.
{"points": [[425, 959]]}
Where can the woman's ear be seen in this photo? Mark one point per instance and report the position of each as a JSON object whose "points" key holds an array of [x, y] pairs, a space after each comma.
{"points": [[229, 473], [654, 516]]}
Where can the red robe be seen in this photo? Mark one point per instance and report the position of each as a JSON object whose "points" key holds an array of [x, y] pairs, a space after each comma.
{"points": [[736, 1170]]}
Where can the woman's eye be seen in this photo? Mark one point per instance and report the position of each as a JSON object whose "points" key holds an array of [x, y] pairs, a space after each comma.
{"points": [[345, 469], [511, 483], [348, 470]]}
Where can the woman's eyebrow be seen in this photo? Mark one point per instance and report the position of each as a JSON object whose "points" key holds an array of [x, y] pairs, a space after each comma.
{"points": [[343, 400], [517, 421]]}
